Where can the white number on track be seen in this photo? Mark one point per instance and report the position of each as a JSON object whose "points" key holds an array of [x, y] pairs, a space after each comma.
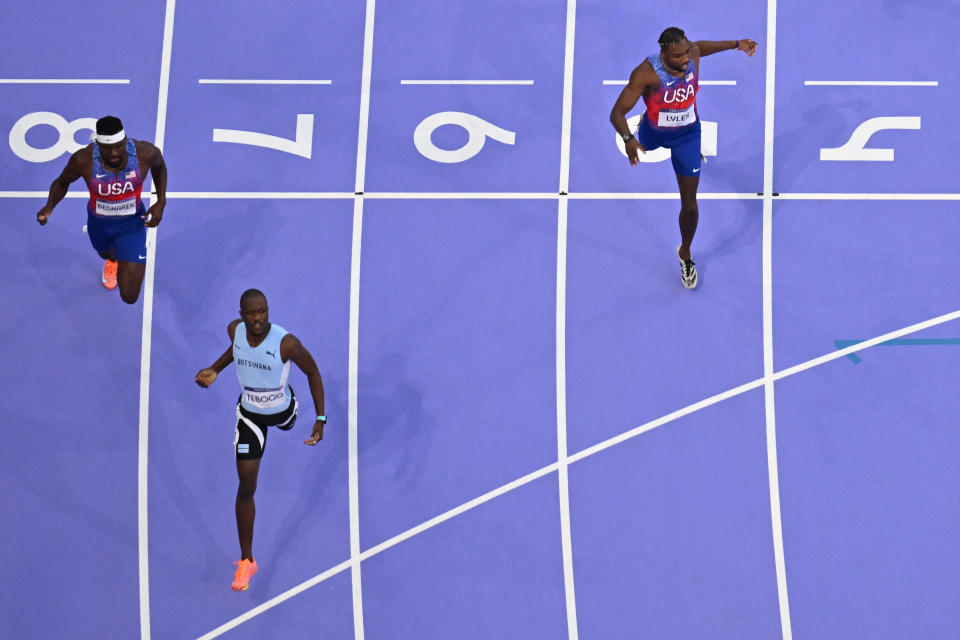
{"points": [[477, 128], [66, 142], [301, 145]]}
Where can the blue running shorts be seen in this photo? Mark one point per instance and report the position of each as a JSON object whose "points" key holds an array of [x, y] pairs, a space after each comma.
{"points": [[126, 236], [684, 145]]}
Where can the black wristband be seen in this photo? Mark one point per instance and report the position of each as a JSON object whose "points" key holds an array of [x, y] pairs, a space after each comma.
{"points": [[626, 136]]}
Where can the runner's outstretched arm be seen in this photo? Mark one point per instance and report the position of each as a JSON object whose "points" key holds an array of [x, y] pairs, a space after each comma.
{"points": [[207, 376], [709, 47]]}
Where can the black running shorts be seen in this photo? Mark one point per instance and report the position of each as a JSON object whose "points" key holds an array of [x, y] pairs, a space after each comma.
{"points": [[250, 439]]}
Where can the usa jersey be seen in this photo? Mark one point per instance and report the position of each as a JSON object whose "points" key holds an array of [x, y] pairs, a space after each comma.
{"points": [[115, 195], [674, 105]]}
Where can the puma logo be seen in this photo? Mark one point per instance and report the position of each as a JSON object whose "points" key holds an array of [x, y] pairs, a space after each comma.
{"points": [[271, 354]]}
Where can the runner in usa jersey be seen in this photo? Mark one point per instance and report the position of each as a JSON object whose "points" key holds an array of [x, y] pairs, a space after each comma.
{"points": [[113, 167], [668, 82]]}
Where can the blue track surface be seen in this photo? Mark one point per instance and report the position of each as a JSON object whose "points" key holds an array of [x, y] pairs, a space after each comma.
{"points": [[672, 533]]}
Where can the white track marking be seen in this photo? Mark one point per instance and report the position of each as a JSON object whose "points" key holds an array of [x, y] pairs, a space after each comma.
{"points": [[354, 347], [42, 194], [496, 195], [352, 447], [567, 105], [869, 196], [272, 602], [720, 83], [64, 81], [275, 82], [773, 474], [365, 96], [145, 345], [383, 546], [670, 417], [866, 344], [670, 195], [585, 453], [870, 83], [467, 82], [480, 195], [466, 506], [566, 539]]}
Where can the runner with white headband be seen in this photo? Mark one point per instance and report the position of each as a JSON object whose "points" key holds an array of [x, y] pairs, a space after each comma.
{"points": [[114, 167]]}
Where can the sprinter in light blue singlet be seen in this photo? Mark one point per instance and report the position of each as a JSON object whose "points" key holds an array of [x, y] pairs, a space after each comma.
{"points": [[114, 167], [262, 352], [668, 82]]}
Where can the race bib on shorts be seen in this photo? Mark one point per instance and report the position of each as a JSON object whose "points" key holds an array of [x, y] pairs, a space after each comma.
{"points": [[117, 207], [677, 118], [265, 398]]}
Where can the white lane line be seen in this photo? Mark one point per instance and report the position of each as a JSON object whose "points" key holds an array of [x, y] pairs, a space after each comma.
{"points": [[773, 474], [383, 546], [354, 346], [352, 447], [497, 195], [456, 511], [146, 342], [264, 81], [866, 344], [272, 602], [670, 417], [870, 83], [479, 195], [716, 83], [669, 195], [759, 382], [263, 195], [365, 96], [64, 81], [42, 194], [467, 82], [585, 453], [869, 196], [566, 538], [567, 104]]}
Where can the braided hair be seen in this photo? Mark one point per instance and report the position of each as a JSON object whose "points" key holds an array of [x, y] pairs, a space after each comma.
{"points": [[671, 35]]}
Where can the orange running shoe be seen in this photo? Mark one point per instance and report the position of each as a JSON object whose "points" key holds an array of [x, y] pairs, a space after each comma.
{"points": [[110, 274], [245, 571]]}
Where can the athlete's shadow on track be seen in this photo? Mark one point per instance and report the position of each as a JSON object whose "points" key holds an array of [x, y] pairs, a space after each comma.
{"points": [[216, 558], [791, 143], [391, 419], [316, 491], [717, 237]]}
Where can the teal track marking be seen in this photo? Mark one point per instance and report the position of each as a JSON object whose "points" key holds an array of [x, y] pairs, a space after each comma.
{"points": [[899, 342]]}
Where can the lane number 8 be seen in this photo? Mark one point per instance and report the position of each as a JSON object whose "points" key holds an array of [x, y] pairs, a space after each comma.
{"points": [[66, 141]]}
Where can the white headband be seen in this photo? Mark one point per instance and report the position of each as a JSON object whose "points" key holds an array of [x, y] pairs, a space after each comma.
{"points": [[111, 139]]}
